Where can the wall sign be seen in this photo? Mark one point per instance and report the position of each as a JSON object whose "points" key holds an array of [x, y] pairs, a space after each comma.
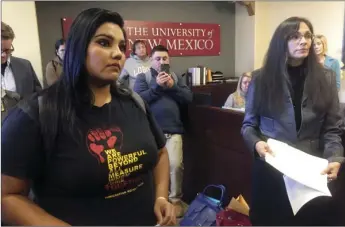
{"points": [[181, 39]]}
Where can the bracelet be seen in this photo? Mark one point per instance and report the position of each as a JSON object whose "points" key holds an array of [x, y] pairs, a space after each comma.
{"points": [[161, 197]]}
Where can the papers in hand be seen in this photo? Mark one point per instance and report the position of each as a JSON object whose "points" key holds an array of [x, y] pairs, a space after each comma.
{"points": [[303, 179], [299, 194]]}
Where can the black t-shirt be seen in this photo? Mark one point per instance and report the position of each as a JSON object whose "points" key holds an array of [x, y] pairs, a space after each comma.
{"points": [[105, 179], [297, 80]]}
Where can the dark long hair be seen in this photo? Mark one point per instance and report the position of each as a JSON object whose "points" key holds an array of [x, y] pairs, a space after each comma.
{"points": [[63, 102], [273, 77]]}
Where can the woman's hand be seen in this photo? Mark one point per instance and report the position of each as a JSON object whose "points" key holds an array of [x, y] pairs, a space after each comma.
{"points": [[262, 148], [332, 170], [165, 212]]}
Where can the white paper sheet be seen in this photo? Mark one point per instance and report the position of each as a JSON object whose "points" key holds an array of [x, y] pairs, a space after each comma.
{"points": [[303, 179], [299, 194], [242, 110]]}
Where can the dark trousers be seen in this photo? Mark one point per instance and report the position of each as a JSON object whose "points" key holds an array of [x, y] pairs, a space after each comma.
{"points": [[270, 205]]}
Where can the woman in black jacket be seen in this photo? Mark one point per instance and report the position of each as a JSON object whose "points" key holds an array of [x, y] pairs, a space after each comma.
{"points": [[292, 98]]}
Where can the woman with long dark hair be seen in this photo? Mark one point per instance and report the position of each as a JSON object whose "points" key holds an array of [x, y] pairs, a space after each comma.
{"points": [[91, 155], [292, 98]]}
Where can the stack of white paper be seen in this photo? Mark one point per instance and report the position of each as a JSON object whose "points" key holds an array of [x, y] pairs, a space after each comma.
{"points": [[303, 179]]}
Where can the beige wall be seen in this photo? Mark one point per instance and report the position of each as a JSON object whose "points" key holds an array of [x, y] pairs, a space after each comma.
{"points": [[327, 18], [244, 41], [21, 16]]}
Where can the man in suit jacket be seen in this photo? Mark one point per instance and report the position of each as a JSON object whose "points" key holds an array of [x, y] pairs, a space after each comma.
{"points": [[17, 74]]}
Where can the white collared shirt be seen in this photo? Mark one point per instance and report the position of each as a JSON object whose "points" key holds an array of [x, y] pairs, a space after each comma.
{"points": [[7, 80]]}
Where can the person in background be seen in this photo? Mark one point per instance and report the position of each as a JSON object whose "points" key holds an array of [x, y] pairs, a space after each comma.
{"points": [[238, 99], [55, 66], [137, 63], [320, 47], [91, 155], [165, 95], [17, 74], [293, 99]]}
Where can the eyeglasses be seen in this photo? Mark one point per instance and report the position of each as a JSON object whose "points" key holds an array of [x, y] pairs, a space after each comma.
{"points": [[297, 37], [8, 51]]}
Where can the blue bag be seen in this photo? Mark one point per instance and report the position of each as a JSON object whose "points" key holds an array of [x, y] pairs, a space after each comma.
{"points": [[203, 210]]}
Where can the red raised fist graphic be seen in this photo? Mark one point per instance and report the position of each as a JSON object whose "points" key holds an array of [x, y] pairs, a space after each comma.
{"points": [[99, 140]]}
